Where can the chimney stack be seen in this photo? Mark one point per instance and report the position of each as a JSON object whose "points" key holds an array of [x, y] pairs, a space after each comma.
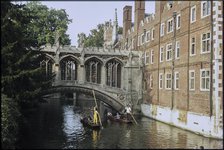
{"points": [[139, 13], [127, 16]]}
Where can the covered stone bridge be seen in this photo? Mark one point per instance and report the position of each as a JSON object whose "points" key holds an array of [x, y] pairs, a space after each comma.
{"points": [[115, 75]]}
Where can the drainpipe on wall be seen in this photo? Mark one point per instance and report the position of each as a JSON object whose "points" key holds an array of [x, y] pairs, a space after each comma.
{"points": [[143, 69], [189, 49], [173, 55], [159, 57], [211, 63]]}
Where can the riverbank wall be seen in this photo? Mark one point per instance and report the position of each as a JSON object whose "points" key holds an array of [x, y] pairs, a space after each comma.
{"points": [[191, 121]]}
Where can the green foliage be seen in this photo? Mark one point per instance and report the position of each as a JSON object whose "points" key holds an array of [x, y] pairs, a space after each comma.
{"points": [[20, 65], [95, 38], [24, 27], [9, 118], [46, 22]]}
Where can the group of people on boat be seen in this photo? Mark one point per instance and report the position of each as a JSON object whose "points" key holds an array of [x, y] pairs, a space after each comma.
{"points": [[125, 114], [94, 117]]}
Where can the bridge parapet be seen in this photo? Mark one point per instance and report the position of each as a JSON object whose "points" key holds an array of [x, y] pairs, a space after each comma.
{"points": [[88, 50], [107, 67]]}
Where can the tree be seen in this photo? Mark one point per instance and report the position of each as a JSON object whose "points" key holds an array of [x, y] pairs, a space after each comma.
{"points": [[9, 118], [46, 22], [95, 38], [23, 79]]}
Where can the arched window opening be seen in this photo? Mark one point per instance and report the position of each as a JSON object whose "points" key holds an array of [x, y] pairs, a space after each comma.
{"points": [[113, 73], [93, 71], [68, 69], [48, 65]]}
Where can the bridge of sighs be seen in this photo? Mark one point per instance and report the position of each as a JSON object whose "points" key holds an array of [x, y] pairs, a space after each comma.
{"points": [[115, 75]]}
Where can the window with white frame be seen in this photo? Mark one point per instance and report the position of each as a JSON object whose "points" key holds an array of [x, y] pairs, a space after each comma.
{"points": [[160, 81], [151, 82], [176, 79], [205, 8], [193, 47], [205, 80], [168, 52], [142, 39], [146, 57], [170, 26], [132, 43], [162, 28], [147, 36], [168, 81], [153, 34], [161, 54], [205, 42], [193, 14], [177, 52], [178, 21], [138, 40], [152, 56], [191, 80]]}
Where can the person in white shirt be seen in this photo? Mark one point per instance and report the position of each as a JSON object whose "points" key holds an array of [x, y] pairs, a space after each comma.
{"points": [[128, 112]]}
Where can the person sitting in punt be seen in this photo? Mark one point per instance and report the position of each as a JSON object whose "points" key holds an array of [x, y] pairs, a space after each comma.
{"points": [[109, 114], [118, 116]]}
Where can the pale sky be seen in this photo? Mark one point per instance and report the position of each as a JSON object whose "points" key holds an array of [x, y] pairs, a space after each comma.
{"points": [[87, 15]]}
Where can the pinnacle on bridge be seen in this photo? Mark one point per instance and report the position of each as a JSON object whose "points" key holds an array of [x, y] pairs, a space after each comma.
{"points": [[115, 19], [56, 40], [115, 29]]}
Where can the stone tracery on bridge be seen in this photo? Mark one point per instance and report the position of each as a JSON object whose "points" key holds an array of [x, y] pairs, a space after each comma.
{"points": [[108, 70]]}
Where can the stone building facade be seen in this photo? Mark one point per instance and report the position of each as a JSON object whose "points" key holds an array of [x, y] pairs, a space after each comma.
{"points": [[111, 37], [183, 60]]}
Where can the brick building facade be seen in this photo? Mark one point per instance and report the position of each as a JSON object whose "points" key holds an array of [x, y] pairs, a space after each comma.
{"points": [[183, 57]]}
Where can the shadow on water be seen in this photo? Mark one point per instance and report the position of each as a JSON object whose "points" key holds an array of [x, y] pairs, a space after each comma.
{"points": [[56, 124]]}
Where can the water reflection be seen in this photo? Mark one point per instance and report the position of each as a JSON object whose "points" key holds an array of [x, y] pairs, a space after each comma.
{"points": [[96, 137], [58, 126]]}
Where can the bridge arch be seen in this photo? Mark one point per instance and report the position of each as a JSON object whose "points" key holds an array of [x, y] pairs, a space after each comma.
{"points": [[70, 56], [94, 57], [100, 95], [93, 67], [113, 72], [116, 59], [48, 63], [69, 67], [49, 57]]}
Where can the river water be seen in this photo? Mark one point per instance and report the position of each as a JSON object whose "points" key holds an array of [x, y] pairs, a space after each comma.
{"points": [[57, 125]]}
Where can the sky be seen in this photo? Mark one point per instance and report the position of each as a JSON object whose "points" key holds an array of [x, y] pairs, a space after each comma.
{"points": [[87, 15]]}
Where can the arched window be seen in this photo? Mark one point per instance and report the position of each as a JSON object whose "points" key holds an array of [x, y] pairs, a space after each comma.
{"points": [[47, 63], [93, 71], [113, 73], [68, 69]]}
